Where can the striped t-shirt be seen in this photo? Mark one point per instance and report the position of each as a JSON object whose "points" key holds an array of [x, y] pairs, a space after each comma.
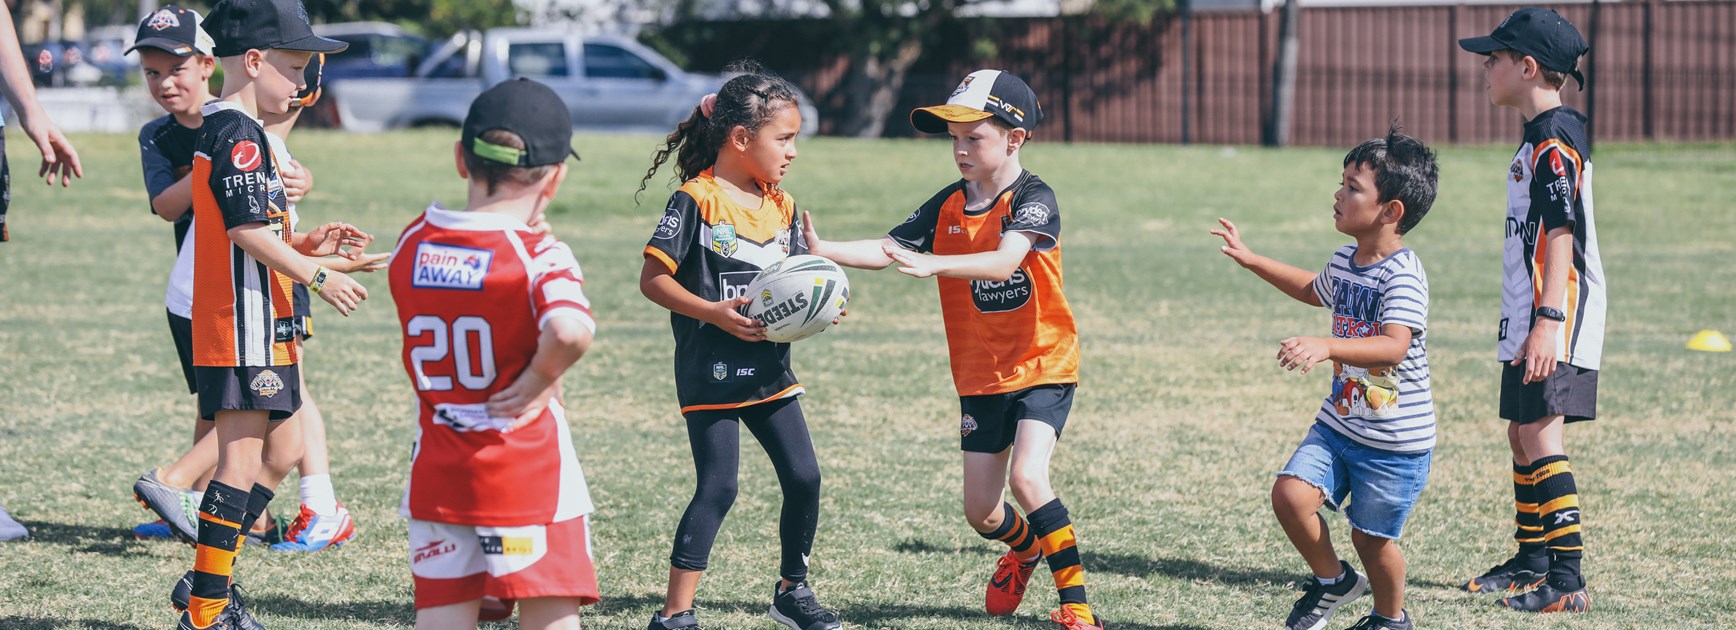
{"points": [[1391, 408]]}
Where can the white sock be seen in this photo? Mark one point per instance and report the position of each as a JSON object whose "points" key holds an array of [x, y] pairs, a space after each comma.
{"points": [[1326, 582], [317, 494]]}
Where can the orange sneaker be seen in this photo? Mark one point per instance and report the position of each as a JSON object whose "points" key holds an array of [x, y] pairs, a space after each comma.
{"points": [[1070, 621], [1007, 587]]}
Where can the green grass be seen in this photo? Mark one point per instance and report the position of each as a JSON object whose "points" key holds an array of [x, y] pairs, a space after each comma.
{"points": [[1181, 419]]}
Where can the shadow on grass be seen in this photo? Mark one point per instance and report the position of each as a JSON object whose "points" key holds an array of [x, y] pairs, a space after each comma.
{"points": [[30, 623], [872, 615], [1131, 566], [112, 541], [392, 611]]}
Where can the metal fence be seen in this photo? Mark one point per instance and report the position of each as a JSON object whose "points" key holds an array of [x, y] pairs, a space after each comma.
{"points": [[1658, 71]]}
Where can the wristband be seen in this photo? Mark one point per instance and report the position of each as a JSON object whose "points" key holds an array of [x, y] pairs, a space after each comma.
{"points": [[1551, 313], [318, 282]]}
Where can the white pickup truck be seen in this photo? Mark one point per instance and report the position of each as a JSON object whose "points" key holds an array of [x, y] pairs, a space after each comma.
{"points": [[608, 82]]}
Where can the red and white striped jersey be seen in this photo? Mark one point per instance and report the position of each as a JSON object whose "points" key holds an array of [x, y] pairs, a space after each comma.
{"points": [[473, 292]]}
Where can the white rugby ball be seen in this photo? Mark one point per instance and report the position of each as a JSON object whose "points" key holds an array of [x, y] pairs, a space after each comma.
{"points": [[797, 297]]}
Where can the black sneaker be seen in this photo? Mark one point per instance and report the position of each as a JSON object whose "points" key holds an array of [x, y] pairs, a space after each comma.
{"points": [[235, 615], [1377, 622], [684, 620], [1547, 598], [1320, 601], [800, 610], [1512, 576], [170, 504]]}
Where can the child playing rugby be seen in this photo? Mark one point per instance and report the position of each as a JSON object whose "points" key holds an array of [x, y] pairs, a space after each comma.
{"points": [[994, 240]]}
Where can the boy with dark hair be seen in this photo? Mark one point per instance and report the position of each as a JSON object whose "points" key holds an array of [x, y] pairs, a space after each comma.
{"points": [[1552, 306], [1374, 435], [243, 330], [497, 501]]}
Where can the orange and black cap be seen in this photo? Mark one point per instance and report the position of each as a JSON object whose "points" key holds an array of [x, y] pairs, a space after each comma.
{"points": [[983, 94]]}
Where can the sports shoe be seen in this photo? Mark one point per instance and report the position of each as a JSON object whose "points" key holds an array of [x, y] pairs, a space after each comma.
{"points": [[234, 617], [1547, 598], [1067, 619], [171, 504], [312, 532], [800, 610], [1508, 578], [684, 620], [1319, 601], [153, 529], [1377, 622], [11, 529], [1007, 587]]}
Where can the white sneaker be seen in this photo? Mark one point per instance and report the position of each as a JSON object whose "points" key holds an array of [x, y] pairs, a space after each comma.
{"points": [[11, 529]]}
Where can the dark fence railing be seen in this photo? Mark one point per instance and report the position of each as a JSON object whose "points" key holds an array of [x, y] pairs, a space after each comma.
{"points": [[1659, 70]]}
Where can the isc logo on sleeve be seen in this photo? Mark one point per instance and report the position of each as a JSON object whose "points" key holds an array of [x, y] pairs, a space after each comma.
{"points": [[450, 267]]}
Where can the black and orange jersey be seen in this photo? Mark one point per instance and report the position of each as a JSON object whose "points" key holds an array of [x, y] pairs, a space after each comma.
{"points": [[166, 154], [243, 314], [1003, 336], [715, 247], [1549, 187]]}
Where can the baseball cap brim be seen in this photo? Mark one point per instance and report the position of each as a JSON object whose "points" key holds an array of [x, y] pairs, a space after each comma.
{"points": [[1483, 45], [315, 43], [934, 119], [173, 47]]}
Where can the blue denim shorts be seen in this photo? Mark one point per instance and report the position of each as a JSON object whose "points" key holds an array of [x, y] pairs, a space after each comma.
{"points": [[1383, 486]]}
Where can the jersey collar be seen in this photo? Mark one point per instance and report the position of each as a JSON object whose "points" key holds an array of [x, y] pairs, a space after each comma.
{"points": [[472, 221], [217, 105]]}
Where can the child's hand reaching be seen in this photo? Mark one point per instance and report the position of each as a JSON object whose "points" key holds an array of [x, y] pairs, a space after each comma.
{"points": [[913, 263], [811, 237], [1233, 246], [1302, 352]]}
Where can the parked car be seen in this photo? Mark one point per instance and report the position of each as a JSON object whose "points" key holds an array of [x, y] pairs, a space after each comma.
{"points": [[608, 82], [377, 49]]}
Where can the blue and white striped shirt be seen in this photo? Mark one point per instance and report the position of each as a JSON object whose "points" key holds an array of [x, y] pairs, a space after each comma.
{"points": [[1391, 409]]}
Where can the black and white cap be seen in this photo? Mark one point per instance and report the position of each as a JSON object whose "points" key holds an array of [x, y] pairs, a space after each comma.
{"points": [[175, 30], [529, 109], [983, 94]]}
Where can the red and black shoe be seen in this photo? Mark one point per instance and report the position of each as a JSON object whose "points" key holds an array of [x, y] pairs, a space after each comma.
{"points": [[1508, 578], [1547, 598], [1007, 587]]}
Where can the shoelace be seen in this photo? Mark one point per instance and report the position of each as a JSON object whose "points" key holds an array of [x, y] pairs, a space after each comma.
{"points": [[810, 606], [1011, 569], [1065, 617]]}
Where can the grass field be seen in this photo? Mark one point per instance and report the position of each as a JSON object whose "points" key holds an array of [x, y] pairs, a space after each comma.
{"points": [[1180, 421]]}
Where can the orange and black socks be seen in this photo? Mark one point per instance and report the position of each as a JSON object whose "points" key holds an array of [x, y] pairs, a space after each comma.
{"points": [[1527, 525], [1015, 532], [221, 513], [1054, 530], [1558, 508]]}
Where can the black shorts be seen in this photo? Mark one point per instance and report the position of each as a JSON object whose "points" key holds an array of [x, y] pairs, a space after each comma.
{"points": [[988, 424], [275, 389], [1570, 392], [181, 329]]}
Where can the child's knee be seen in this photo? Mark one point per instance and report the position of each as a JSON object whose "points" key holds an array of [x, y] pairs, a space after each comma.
{"points": [[1292, 496], [1029, 484], [984, 517]]}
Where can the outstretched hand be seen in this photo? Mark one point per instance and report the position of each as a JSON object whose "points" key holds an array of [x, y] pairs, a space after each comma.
{"points": [[1233, 245], [912, 263]]}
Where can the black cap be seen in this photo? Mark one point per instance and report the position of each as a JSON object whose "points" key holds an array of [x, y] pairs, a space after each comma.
{"points": [[241, 25], [983, 94], [173, 29], [1541, 34], [526, 108]]}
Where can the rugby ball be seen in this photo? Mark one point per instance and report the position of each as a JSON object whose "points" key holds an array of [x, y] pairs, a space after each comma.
{"points": [[797, 297]]}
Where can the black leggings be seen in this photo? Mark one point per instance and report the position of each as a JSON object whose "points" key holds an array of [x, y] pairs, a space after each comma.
{"points": [[716, 440]]}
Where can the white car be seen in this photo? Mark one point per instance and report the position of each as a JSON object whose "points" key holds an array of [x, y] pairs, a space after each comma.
{"points": [[608, 82]]}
